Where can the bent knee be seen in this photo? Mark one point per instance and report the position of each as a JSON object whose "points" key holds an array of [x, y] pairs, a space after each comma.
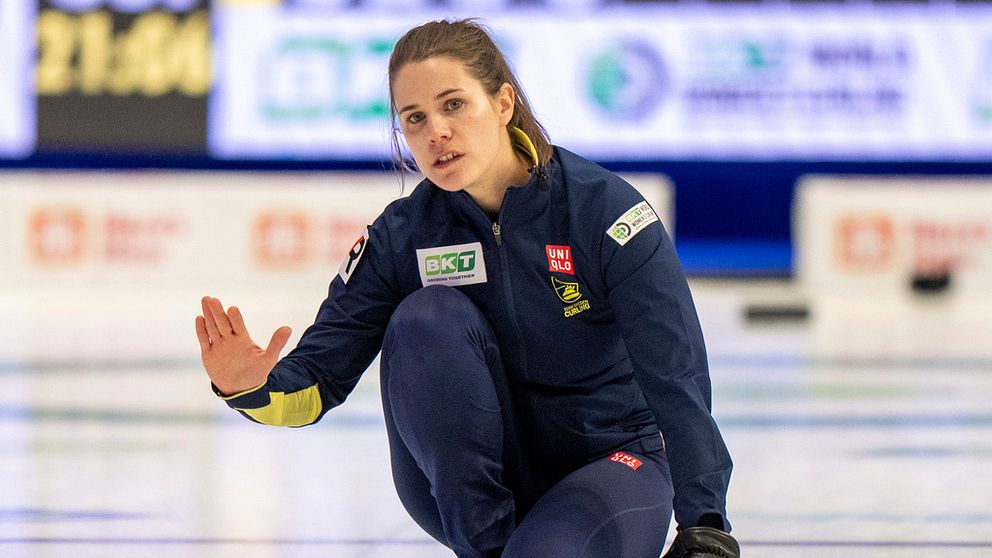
{"points": [[432, 308]]}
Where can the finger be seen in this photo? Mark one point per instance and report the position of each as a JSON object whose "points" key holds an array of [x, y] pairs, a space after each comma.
{"points": [[278, 341], [220, 317], [202, 335], [208, 318], [237, 321]]}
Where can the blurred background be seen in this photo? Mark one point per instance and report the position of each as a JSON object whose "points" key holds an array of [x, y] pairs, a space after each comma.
{"points": [[824, 166]]}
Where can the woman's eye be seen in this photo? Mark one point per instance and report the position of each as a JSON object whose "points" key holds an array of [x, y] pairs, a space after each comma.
{"points": [[454, 104], [415, 117]]}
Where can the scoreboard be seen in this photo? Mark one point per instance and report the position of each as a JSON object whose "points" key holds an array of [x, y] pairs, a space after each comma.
{"points": [[122, 76]]}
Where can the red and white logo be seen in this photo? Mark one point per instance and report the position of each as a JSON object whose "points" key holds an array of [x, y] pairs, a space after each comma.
{"points": [[626, 459], [56, 236], [560, 259], [282, 239], [354, 255], [865, 243]]}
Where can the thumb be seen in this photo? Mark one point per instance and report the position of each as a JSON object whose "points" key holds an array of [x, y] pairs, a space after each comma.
{"points": [[278, 341]]}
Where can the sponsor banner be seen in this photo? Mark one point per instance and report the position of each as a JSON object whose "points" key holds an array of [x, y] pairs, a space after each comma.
{"points": [[17, 108], [119, 76], [301, 83], [856, 234], [632, 84], [728, 84], [123, 231]]}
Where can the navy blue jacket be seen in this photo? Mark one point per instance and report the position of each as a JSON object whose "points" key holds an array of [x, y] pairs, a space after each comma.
{"points": [[581, 284]]}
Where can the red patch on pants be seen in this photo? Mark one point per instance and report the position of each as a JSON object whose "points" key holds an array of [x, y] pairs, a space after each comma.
{"points": [[626, 459]]}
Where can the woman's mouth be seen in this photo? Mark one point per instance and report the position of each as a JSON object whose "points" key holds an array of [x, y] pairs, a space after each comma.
{"points": [[446, 159]]}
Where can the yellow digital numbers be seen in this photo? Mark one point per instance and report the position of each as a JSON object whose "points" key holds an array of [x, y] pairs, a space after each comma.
{"points": [[159, 53]]}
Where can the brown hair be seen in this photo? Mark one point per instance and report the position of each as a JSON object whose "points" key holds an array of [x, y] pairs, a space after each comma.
{"points": [[471, 43]]}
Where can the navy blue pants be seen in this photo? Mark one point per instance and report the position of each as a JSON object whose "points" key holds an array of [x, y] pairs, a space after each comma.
{"points": [[461, 471]]}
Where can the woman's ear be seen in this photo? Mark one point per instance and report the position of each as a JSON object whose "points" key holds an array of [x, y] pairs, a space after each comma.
{"points": [[506, 98]]}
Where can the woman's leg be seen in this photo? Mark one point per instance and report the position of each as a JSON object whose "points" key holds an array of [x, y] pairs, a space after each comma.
{"points": [[448, 418], [618, 506]]}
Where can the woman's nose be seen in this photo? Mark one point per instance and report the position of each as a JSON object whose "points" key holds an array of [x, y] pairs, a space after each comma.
{"points": [[438, 129]]}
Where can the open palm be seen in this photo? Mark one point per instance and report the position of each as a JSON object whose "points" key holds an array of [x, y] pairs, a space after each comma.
{"points": [[234, 363]]}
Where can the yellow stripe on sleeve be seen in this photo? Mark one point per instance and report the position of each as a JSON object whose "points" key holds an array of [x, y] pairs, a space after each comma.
{"points": [[294, 409]]}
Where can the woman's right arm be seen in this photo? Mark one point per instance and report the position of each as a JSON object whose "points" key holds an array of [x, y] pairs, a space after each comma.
{"points": [[332, 353]]}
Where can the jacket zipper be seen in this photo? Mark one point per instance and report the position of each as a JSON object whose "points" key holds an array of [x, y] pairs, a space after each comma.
{"points": [[507, 288], [508, 297]]}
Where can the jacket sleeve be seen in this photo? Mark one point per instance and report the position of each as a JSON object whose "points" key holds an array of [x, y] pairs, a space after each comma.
{"points": [[657, 318], [333, 352]]}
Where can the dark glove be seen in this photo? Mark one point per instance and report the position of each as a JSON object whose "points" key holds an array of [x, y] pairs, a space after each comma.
{"points": [[703, 542]]}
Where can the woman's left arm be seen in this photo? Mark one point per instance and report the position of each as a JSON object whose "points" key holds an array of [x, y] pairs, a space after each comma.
{"points": [[657, 318]]}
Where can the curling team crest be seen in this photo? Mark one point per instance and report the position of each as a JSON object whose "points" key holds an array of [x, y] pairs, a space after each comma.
{"points": [[569, 293]]}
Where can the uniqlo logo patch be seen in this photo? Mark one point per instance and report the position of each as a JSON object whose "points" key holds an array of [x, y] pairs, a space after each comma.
{"points": [[626, 459], [560, 259]]}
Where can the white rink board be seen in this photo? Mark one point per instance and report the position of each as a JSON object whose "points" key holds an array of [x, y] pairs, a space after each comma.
{"points": [[873, 234], [104, 234], [119, 230]]}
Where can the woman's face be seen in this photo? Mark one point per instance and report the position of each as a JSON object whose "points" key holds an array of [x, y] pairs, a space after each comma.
{"points": [[456, 131]]}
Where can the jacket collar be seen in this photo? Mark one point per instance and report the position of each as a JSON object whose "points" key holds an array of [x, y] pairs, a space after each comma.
{"points": [[521, 204], [521, 142]]}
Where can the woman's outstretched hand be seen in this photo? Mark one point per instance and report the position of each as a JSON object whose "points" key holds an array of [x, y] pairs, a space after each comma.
{"points": [[232, 360]]}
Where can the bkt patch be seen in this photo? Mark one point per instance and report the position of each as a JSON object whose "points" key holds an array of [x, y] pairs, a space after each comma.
{"points": [[461, 264], [633, 221], [354, 256]]}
